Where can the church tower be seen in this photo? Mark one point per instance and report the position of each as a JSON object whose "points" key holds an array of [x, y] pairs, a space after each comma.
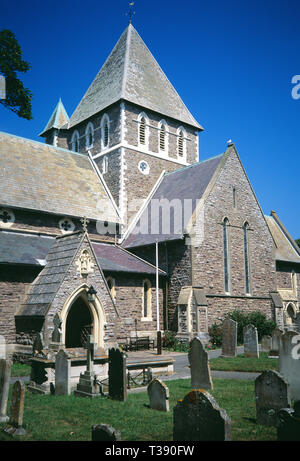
{"points": [[133, 123]]}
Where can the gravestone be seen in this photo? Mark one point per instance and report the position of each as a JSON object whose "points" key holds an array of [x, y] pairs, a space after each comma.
{"points": [[289, 361], [229, 338], [272, 394], [199, 364], [288, 429], [62, 374], [105, 433], [88, 385], [57, 332], [2, 347], [5, 374], [15, 424], [38, 348], [274, 352], [198, 418], [117, 385], [266, 343], [250, 341], [159, 395]]}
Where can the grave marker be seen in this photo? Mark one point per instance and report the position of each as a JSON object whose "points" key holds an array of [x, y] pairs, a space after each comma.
{"points": [[159, 395], [229, 338], [117, 386], [15, 423], [250, 341], [199, 364], [5, 374], [62, 374]]}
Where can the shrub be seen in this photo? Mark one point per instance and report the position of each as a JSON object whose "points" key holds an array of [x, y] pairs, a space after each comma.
{"points": [[258, 319], [171, 342], [215, 333]]}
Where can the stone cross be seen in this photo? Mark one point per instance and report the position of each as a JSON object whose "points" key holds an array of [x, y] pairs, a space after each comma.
{"points": [[15, 423], [251, 341], [198, 418], [199, 364], [159, 395], [84, 221], [229, 338], [5, 373], [272, 393], [91, 350]]}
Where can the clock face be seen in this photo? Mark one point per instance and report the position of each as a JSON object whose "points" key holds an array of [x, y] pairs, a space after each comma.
{"points": [[144, 167]]}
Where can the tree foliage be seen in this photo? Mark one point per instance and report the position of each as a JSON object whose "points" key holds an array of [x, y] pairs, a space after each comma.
{"points": [[18, 98], [298, 242]]}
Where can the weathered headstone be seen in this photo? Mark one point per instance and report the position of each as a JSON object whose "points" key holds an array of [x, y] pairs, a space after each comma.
{"points": [[57, 332], [2, 347], [266, 343], [274, 352], [159, 395], [288, 429], [38, 348], [117, 385], [198, 418], [251, 341], [289, 361], [272, 394], [62, 374], [5, 373], [105, 433], [199, 365], [15, 424], [229, 338], [88, 385]]}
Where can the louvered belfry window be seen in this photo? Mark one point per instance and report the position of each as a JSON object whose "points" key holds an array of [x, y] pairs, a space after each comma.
{"points": [[143, 131], [180, 144], [106, 133], [162, 138]]}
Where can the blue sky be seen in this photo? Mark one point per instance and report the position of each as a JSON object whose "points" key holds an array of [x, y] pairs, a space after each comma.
{"points": [[231, 62]]}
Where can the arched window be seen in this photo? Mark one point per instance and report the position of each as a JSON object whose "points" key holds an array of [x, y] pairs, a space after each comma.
{"points": [[75, 141], [181, 143], [89, 135], [226, 256], [112, 287], [104, 165], [105, 132], [163, 137], [143, 130], [246, 258], [147, 299]]}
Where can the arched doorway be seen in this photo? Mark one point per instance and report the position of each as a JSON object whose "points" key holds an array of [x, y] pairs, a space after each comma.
{"points": [[79, 324]]}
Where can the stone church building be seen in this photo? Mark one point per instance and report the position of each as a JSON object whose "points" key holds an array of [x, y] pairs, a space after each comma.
{"points": [[116, 187]]}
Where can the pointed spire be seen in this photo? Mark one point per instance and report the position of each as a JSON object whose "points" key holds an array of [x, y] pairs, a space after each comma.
{"points": [[58, 119], [119, 79]]}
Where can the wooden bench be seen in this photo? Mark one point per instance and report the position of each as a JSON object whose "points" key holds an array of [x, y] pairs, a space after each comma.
{"points": [[143, 342]]}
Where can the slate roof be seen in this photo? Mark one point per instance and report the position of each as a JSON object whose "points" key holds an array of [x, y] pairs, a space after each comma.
{"points": [[188, 183], [45, 287], [17, 248], [131, 73], [36, 176], [286, 248], [58, 119], [113, 258]]}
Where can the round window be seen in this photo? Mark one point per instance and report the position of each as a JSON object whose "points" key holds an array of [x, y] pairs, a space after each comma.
{"points": [[7, 217], [144, 167], [66, 225]]}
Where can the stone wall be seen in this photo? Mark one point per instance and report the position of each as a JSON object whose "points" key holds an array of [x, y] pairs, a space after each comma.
{"points": [[14, 281]]}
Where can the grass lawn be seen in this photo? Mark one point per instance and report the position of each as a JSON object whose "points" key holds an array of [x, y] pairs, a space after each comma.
{"points": [[63, 418], [18, 370], [242, 363]]}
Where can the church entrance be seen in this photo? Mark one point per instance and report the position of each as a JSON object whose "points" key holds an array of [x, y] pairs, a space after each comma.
{"points": [[79, 324]]}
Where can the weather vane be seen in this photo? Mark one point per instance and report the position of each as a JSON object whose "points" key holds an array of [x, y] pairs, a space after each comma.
{"points": [[131, 12], [84, 223]]}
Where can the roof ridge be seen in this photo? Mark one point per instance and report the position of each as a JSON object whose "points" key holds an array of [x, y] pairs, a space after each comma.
{"points": [[194, 164]]}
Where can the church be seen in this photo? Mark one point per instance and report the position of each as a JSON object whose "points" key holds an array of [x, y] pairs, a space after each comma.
{"points": [[112, 226]]}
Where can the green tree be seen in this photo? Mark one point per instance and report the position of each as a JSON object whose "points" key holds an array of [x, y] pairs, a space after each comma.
{"points": [[298, 242], [18, 99]]}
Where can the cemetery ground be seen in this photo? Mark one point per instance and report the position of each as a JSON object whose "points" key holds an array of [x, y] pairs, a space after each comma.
{"points": [[69, 418], [246, 364]]}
